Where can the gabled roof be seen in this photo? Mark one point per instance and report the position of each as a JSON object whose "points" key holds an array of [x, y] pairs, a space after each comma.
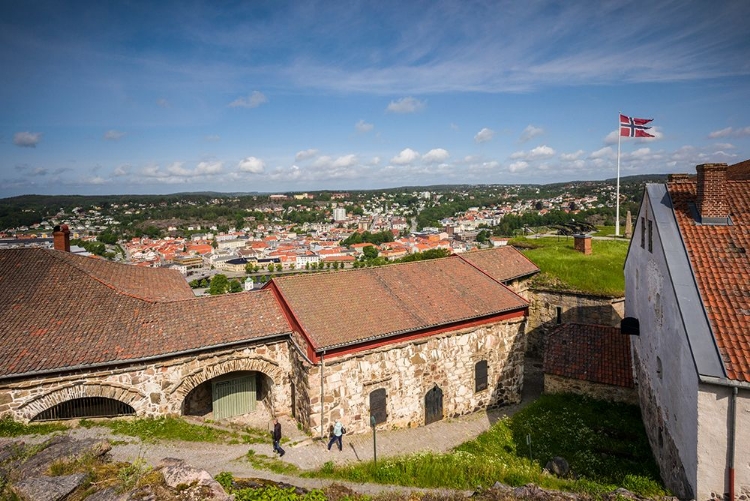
{"points": [[594, 353], [59, 311], [720, 261], [501, 263], [349, 307]]}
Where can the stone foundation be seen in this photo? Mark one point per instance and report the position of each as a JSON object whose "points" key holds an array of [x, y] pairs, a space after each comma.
{"points": [[557, 384]]}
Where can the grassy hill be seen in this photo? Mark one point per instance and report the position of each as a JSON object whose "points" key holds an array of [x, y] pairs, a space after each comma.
{"points": [[564, 268]]}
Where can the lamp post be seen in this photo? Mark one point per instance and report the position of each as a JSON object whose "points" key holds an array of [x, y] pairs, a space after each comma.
{"points": [[374, 441]]}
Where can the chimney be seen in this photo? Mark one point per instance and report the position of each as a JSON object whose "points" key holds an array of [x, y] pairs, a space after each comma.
{"points": [[582, 243], [61, 235], [712, 198]]}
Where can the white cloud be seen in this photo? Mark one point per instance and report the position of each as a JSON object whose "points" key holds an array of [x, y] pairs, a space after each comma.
{"points": [[641, 153], [345, 161], [113, 135], [530, 132], [518, 166], [121, 170], [209, 168], [569, 157], [730, 132], [177, 169], [405, 105], [252, 165], [406, 156], [484, 135], [252, 101], [436, 155], [162, 103], [27, 139], [363, 126], [612, 137], [305, 154], [543, 151], [724, 146], [606, 152]]}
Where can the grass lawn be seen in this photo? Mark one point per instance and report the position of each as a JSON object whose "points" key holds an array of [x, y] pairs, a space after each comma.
{"points": [[604, 443], [564, 268]]}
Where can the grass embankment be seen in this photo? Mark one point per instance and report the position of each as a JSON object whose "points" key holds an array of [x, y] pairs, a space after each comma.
{"points": [[564, 268], [604, 443]]}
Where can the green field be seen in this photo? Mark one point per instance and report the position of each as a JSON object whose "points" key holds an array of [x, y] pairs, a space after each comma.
{"points": [[564, 268]]}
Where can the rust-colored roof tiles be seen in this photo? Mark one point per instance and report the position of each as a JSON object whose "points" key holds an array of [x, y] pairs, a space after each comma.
{"points": [[594, 353], [59, 311], [501, 263], [344, 308], [720, 259]]}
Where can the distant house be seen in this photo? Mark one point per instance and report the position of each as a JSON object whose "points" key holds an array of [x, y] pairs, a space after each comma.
{"points": [[688, 312]]}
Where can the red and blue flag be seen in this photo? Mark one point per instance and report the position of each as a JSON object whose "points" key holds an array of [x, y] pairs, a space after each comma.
{"points": [[634, 127]]}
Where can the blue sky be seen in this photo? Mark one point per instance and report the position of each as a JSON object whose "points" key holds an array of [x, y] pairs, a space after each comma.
{"points": [[163, 97]]}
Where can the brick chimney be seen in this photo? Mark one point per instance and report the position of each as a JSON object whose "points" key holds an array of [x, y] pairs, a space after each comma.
{"points": [[712, 199], [582, 243], [61, 236]]}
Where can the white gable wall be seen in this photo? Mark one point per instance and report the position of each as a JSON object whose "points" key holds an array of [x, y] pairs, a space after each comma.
{"points": [[666, 376]]}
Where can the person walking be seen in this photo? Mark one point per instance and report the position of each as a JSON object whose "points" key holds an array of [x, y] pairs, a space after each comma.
{"points": [[338, 431], [277, 437]]}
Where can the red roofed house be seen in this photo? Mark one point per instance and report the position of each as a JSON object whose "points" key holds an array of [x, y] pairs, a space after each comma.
{"points": [[688, 310], [407, 344], [592, 360]]}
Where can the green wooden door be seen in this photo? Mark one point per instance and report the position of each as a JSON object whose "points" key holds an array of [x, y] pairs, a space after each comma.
{"points": [[233, 397]]}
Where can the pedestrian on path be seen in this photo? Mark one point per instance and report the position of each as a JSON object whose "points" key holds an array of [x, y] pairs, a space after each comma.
{"points": [[277, 437], [337, 433]]}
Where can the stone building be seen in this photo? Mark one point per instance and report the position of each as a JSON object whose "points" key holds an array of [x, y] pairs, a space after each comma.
{"points": [[409, 343], [688, 312]]}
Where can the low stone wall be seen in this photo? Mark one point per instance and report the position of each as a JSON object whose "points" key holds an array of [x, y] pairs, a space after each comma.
{"points": [[578, 308], [407, 371], [557, 384], [153, 389]]}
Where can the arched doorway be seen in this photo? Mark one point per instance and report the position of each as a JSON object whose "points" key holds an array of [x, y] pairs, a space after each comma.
{"points": [[433, 405], [230, 395]]}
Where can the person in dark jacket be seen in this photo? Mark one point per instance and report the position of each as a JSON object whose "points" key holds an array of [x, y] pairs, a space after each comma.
{"points": [[277, 437]]}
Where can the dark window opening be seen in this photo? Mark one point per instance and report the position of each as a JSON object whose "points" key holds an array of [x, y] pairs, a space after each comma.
{"points": [[650, 236], [643, 233], [87, 407], [558, 309], [480, 375]]}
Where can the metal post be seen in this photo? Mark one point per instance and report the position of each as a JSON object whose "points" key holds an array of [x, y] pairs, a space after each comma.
{"points": [[374, 441]]}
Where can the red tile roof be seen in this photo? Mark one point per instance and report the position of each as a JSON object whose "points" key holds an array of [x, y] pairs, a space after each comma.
{"points": [[595, 353], [349, 307], [720, 260], [59, 311], [501, 263]]}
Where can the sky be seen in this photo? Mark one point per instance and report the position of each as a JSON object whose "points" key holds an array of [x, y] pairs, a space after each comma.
{"points": [[131, 97]]}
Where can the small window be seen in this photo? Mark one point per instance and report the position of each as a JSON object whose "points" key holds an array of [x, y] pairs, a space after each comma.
{"points": [[643, 233], [480, 375], [559, 314], [658, 367], [650, 236]]}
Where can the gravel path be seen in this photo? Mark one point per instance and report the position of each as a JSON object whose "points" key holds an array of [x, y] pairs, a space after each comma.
{"points": [[310, 453]]}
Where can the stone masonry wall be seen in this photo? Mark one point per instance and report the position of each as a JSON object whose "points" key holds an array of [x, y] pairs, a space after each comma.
{"points": [[153, 389], [577, 308], [407, 371], [557, 384]]}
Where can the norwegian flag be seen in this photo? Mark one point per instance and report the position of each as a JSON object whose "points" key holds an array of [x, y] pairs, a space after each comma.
{"points": [[634, 127]]}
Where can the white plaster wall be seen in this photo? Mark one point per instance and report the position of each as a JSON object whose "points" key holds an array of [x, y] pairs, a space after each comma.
{"points": [[669, 399], [713, 445]]}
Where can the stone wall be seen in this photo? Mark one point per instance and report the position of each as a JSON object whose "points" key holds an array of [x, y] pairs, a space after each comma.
{"points": [[579, 308], [407, 371], [557, 384], [153, 389]]}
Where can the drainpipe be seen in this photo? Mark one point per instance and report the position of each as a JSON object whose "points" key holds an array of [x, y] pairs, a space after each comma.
{"points": [[732, 434], [322, 367]]}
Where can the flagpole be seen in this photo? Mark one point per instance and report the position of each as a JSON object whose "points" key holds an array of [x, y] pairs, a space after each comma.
{"points": [[617, 210]]}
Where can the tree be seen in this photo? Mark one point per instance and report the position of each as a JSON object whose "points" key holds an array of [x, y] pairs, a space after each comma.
{"points": [[214, 244], [370, 252], [219, 285], [235, 286], [291, 266], [270, 267], [249, 268], [279, 267], [307, 265]]}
